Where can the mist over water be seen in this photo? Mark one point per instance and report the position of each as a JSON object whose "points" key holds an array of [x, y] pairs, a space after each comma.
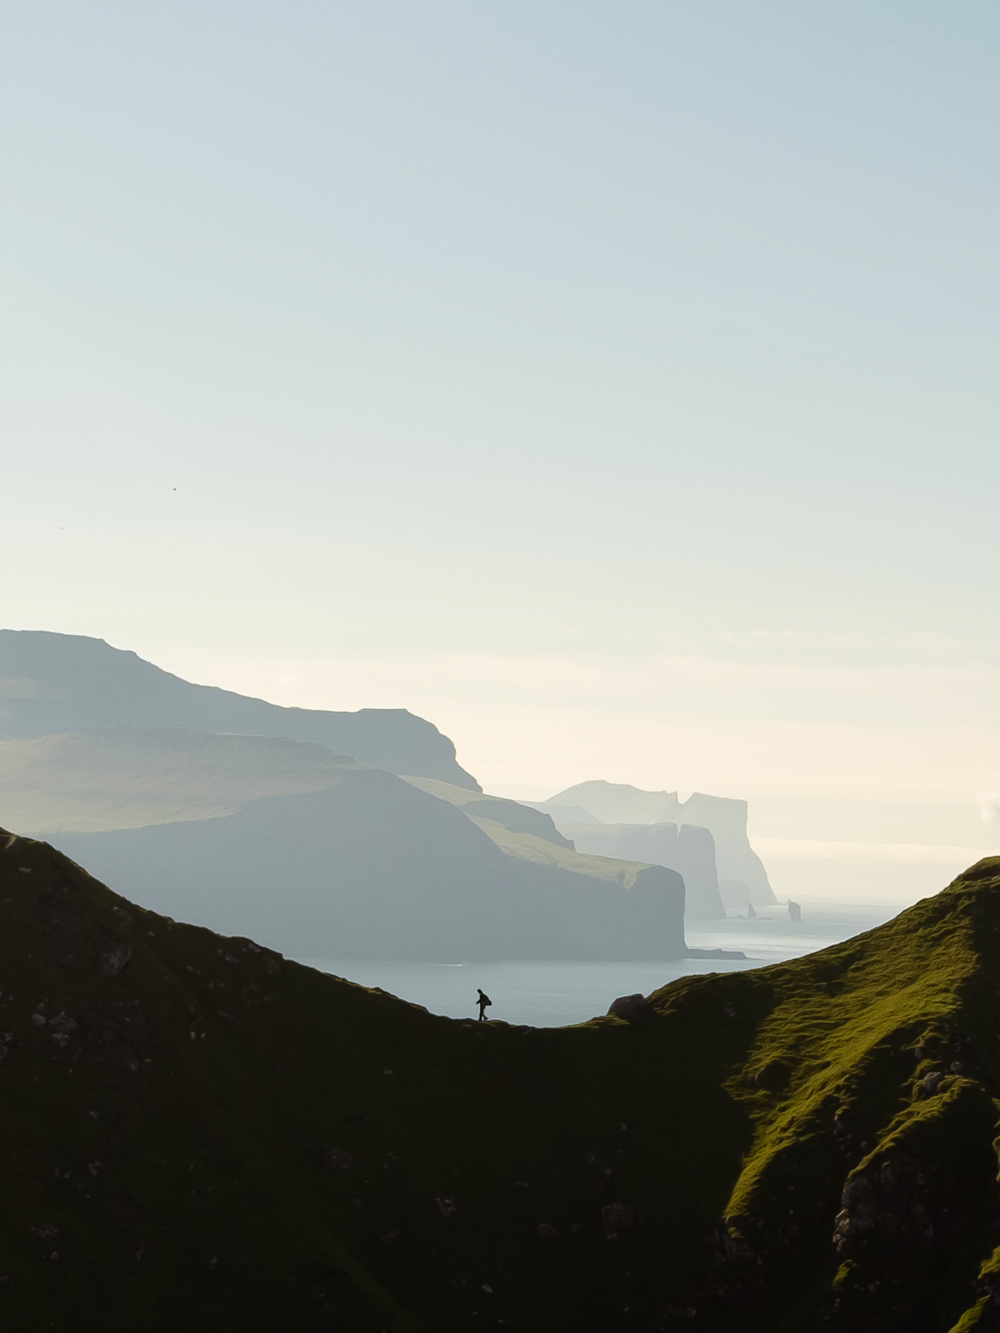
{"points": [[555, 994]]}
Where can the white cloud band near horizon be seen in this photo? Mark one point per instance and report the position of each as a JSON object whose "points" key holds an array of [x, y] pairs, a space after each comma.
{"points": [[853, 808], [807, 849], [529, 726], [850, 872]]}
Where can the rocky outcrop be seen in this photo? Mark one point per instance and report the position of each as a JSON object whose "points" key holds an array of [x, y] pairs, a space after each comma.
{"points": [[631, 1008]]}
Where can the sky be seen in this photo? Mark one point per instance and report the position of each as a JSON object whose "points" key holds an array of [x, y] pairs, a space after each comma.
{"points": [[613, 384]]}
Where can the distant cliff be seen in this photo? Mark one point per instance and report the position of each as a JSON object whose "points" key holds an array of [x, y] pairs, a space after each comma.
{"points": [[617, 803], [686, 848], [51, 683]]}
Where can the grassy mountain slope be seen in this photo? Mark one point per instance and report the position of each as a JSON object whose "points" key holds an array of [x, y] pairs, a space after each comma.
{"points": [[529, 835], [621, 909], [548, 863], [54, 683], [512, 815], [199, 1134], [540, 851]]}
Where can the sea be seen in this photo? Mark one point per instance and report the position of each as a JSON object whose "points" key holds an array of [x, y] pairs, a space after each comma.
{"points": [[559, 994]]}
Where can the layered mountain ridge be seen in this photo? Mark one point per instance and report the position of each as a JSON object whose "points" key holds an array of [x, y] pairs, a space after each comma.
{"points": [[54, 683], [370, 866], [320, 856], [622, 809], [239, 815]]}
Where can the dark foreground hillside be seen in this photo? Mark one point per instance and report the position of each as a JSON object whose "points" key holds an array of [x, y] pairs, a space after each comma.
{"points": [[200, 1135]]}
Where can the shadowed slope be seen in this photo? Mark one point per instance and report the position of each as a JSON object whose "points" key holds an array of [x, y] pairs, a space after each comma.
{"points": [[372, 867], [329, 1157], [329, 857]]}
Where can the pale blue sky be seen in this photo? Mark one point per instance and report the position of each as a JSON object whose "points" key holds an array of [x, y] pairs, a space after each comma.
{"points": [[489, 344]]}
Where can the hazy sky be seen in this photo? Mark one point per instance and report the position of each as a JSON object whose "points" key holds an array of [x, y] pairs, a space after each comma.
{"points": [[615, 384]]}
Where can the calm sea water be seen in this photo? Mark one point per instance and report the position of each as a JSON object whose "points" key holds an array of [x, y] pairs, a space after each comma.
{"points": [[556, 994]]}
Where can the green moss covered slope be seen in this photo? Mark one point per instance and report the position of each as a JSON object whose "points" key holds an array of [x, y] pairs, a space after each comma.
{"points": [[198, 1134]]}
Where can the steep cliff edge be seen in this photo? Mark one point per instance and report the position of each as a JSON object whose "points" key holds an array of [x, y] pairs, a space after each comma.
{"points": [[52, 683], [200, 1134], [725, 818], [686, 848]]}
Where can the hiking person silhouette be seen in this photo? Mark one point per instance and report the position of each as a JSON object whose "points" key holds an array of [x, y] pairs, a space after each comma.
{"points": [[484, 1003]]}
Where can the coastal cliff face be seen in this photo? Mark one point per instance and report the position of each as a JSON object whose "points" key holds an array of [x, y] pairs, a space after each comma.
{"points": [[54, 683], [726, 819], [198, 1133], [687, 849]]}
